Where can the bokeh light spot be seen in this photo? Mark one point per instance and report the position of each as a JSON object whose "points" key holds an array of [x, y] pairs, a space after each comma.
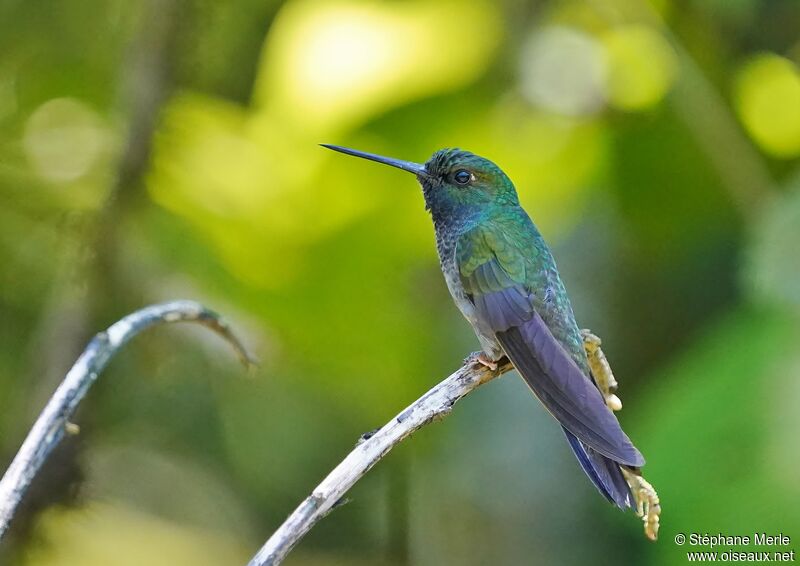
{"points": [[563, 70], [641, 67], [768, 101], [329, 64], [63, 138]]}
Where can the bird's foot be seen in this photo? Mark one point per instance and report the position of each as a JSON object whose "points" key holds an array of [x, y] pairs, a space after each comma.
{"points": [[481, 358], [648, 506], [601, 370]]}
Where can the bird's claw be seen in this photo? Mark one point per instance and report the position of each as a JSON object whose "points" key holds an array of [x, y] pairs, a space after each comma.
{"points": [[648, 506], [601, 370], [481, 358]]}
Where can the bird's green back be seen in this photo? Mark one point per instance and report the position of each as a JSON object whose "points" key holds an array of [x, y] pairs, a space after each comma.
{"points": [[506, 236]]}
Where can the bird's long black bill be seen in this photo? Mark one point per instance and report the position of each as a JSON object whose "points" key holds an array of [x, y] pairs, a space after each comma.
{"points": [[415, 168]]}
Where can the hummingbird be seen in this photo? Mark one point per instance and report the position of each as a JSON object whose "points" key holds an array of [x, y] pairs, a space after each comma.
{"points": [[504, 280]]}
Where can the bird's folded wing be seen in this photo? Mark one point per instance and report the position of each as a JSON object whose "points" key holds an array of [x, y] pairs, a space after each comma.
{"points": [[504, 302], [565, 391]]}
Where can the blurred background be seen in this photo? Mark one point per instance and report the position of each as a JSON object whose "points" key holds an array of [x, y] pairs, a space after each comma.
{"points": [[167, 149]]}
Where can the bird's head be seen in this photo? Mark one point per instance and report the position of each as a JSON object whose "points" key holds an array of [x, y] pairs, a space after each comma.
{"points": [[453, 181]]}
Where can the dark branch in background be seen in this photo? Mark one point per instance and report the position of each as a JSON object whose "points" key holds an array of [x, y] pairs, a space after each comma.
{"points": [[433, 405], [90, 285], [145, 87], [53, 422], [743, 172]]}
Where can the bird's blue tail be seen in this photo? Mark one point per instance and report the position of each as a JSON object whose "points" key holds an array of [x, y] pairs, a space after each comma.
{"points": [[604, 473]]}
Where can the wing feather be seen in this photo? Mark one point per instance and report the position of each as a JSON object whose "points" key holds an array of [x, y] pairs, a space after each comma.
{"points": [[494, 279]]}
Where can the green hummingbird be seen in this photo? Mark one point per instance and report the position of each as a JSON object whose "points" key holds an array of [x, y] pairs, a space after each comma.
{"points": [[504, 280]]}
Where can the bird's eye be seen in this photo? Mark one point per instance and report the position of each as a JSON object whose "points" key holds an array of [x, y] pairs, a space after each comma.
{"points": [[462, 177]]}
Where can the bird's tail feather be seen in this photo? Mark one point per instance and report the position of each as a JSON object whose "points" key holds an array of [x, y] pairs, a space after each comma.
{"points": [[603, 472]]}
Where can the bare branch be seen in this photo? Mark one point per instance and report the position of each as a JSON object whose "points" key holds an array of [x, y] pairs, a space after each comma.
{"points": [[53, 422], [433, 405]]}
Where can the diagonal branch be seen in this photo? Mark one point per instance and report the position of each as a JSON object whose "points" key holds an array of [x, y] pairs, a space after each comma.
{"points": [[54, 419], [433, 405]]}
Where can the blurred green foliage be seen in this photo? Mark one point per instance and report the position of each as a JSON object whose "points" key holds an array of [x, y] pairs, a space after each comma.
{"points": [[167, 149]]}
